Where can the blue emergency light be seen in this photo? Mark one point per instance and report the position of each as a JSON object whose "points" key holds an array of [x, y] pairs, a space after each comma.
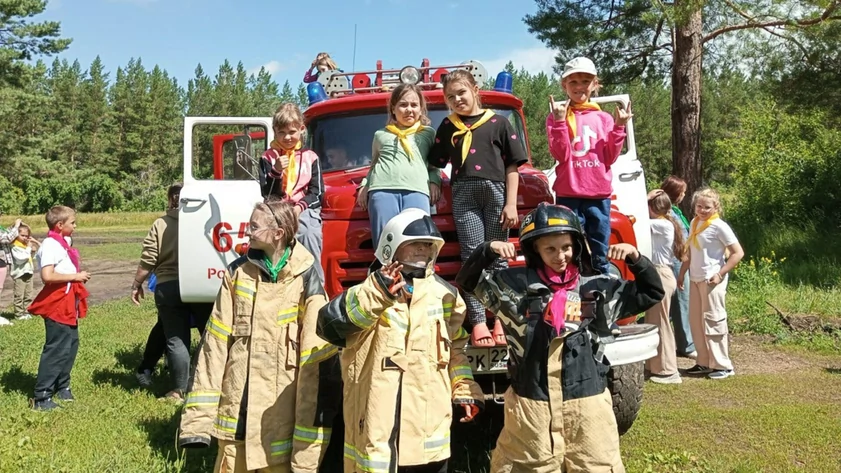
{"points": [[504, 82], [316, 93]]}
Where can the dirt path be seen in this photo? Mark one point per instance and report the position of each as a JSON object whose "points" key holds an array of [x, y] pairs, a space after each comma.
{"points": [[753, 354], [110, 280]]}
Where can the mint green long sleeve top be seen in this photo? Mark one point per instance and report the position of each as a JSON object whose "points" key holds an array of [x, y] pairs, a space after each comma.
{"points": [[393, 169]]}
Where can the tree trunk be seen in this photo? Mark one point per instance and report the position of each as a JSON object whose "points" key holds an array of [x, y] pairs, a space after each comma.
{"points": [[686, 104]]}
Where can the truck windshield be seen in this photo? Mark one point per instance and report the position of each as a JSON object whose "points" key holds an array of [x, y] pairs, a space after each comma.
{"points": [[344, 141]]}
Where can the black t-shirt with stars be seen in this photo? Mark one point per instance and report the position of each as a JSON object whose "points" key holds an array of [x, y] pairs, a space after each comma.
{"points": [[495, 146]]}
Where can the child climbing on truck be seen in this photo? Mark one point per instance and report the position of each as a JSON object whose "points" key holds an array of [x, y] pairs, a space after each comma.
{"points": [[485, 154]]}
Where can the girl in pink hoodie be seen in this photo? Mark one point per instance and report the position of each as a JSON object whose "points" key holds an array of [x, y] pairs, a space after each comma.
{"points": [[585, 141]]}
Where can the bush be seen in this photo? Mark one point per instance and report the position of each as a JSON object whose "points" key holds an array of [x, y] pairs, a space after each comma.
{"points": [[13, 197], [754, 282], [785, 166]]}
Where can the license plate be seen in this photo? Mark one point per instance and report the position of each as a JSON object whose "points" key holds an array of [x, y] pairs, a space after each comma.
{"points": [[487, 359]]}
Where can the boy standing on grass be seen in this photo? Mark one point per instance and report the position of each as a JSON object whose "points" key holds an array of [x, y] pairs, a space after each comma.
{"points": [[61, 302], [23, 268]]}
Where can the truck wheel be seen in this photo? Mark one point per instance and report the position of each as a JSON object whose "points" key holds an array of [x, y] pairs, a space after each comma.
{"points": [[625, 384]]}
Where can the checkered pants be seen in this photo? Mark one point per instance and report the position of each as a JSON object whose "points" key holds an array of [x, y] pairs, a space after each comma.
{"points": [[477, 206]]}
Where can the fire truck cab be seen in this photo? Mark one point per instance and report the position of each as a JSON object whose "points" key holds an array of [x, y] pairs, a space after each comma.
{"points": [[345, 109]]}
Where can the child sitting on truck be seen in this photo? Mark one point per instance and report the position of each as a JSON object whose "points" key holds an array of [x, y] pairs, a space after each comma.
{"points": [[256, 386], [586, 142], [400, 177], [403, 362], [558, 411], [293, 173], [486, 153]]}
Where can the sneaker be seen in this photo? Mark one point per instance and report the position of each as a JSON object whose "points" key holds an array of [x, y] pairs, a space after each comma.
{"points": [[693, 355], [666, 378], [65, 395], [144, 378], [25, 317], [698, 369], [721, 374], [43, 405], [5, 321]]}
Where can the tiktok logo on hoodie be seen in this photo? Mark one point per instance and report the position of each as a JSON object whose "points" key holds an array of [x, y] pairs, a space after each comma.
{"points": [[585, 141], [586, 163]]}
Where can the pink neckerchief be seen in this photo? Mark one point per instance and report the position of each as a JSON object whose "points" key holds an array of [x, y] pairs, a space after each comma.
{"points": [[555, 281], [73, 253]]}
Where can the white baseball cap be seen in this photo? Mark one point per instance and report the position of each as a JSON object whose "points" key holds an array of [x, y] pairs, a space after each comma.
{"points": [[579, 64]]}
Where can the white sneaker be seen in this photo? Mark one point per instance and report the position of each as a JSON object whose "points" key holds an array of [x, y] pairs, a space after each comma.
{"points": [[144, 378], [5, 321], [666, 379]]}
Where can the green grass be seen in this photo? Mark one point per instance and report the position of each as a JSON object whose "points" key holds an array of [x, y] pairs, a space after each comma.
{"points": [[111, 251], [94, 222], [750, 423]]}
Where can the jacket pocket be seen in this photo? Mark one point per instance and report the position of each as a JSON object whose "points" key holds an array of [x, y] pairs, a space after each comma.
{"points": [[442, 338], [292, 345], [715, 324], [242, 325]]}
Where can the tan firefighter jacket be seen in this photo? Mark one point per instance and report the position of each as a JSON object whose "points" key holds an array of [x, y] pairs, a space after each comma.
{"points": [[403, 366], [263, 376]]}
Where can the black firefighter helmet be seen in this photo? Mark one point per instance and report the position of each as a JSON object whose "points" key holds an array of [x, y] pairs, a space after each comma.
{"points": [[548, 219]]}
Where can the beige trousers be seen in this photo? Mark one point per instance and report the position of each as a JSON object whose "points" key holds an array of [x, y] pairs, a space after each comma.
{"points": [[231, 459], [708, 322], [589, 440], [665, 363]]}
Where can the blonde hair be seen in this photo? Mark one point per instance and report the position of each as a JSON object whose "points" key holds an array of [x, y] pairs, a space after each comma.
{"points": [[23, 227], [707, 193], [661, 205], [596, 81], [463, 76], [398, 93], [324, 58], [287, 114], [58, 214], [279, 214]]}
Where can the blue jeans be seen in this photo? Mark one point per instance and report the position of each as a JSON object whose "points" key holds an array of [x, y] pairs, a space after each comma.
{"points": [[679, 313], [595, 219], [383, 205]]}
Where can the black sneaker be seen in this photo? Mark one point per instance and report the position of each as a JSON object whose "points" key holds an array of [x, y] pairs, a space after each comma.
{"points": [[65, 395], [698, 369], [44, 405]]}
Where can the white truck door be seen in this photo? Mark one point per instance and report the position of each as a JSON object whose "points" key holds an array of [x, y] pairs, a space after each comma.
{"points": [[214, 214], [628, 181]]}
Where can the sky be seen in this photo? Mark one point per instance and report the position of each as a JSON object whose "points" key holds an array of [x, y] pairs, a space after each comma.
{"points": [[284, 36]]}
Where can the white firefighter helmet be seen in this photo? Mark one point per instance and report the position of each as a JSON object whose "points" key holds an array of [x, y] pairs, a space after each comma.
{"points": [[407, 226]]}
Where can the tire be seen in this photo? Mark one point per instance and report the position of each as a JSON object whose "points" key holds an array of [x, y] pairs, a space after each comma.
{"points": [[625, 384]]}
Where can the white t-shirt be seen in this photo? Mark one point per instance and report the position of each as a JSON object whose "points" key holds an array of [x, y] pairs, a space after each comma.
{"points": [[52, 253], [709, 259], [662, 241]]}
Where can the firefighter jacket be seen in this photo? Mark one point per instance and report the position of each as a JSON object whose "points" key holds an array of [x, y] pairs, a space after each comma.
{"points": [[403, 366], [519, 298], [263, 376]]}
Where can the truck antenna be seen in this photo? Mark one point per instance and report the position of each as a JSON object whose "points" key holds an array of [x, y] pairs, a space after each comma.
{"points": [[354, 47]]}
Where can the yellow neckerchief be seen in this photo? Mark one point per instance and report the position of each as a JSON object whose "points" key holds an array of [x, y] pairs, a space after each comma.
{"points": [[18, 244], [467, 132], [290, 174], [403, 134], [573, 127], [697, 230]]}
